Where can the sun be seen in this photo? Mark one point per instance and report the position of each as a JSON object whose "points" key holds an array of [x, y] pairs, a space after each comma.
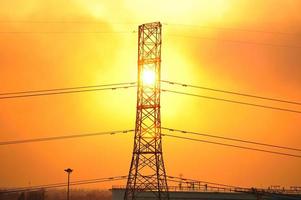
{"points": [[148, 77]]}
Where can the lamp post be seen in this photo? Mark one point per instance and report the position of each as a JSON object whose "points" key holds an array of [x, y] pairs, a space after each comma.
{"points": [[69, 172]]}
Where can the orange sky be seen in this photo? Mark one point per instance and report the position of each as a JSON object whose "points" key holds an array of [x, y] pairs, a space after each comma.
{"points": [[40, 61]]}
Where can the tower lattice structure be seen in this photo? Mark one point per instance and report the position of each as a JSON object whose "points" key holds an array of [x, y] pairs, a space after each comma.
{"points": [[147, 171]]}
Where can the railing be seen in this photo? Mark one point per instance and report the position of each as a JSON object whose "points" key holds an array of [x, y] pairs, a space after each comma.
{"points": [[215, 189], [202, 188]]}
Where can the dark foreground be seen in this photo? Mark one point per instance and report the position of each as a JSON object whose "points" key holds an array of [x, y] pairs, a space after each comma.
{"points": [[59, 194]]}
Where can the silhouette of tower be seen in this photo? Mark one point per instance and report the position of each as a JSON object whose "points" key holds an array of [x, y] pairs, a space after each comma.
{"points": [[147, 171]]}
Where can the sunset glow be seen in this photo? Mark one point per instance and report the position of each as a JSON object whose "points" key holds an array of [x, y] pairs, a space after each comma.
{"points": [[148, 77], [245, 46]]}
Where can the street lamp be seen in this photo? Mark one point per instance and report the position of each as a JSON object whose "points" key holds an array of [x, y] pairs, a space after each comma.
{"points": [[69, 172]]}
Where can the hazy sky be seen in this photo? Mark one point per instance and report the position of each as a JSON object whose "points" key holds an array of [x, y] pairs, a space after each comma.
{"points": [[207, 53]]}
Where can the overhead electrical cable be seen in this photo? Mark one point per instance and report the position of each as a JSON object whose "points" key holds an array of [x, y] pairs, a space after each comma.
{"points": [[217, 186], [232, 101], [168, 24], [56, 185], [236, 41], [66, 32], [231, 29], [57, 21], [232, 92], [63, 137], [132, 32], [232, 139], [232, 145], [132, 130], [64, 92], [66, 88], [64, 22]]}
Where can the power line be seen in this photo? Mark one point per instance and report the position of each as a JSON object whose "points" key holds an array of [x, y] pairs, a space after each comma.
{"points": [[55, 185], [122, 32], [132, 32], [233, 101], [168, 24], [62, 22], [124, 23], [43, 139], [66, 32], [235, 146], [55, 91], [117, 178], [232, 29], [231, 139], [91, 181], [232, 92], [66, 88], [236, 41], [88, 181], [65, 92], [125, 131]]}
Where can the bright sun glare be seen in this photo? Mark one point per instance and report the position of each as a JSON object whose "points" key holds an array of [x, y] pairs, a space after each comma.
{"points": [[148, 77]]}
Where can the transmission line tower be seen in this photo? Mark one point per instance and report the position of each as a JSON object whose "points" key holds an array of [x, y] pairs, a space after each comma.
{"points": [[147, 171]]}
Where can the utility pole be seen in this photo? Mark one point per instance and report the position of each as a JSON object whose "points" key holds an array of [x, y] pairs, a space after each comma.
{"points": [[147, 171], [69, 171]]}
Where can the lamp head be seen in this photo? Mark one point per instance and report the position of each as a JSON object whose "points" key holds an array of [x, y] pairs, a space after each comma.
{"points": [[68, 170]]}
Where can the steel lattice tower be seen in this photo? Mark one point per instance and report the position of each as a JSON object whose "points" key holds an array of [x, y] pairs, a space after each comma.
{"points": [[147, 171]]}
